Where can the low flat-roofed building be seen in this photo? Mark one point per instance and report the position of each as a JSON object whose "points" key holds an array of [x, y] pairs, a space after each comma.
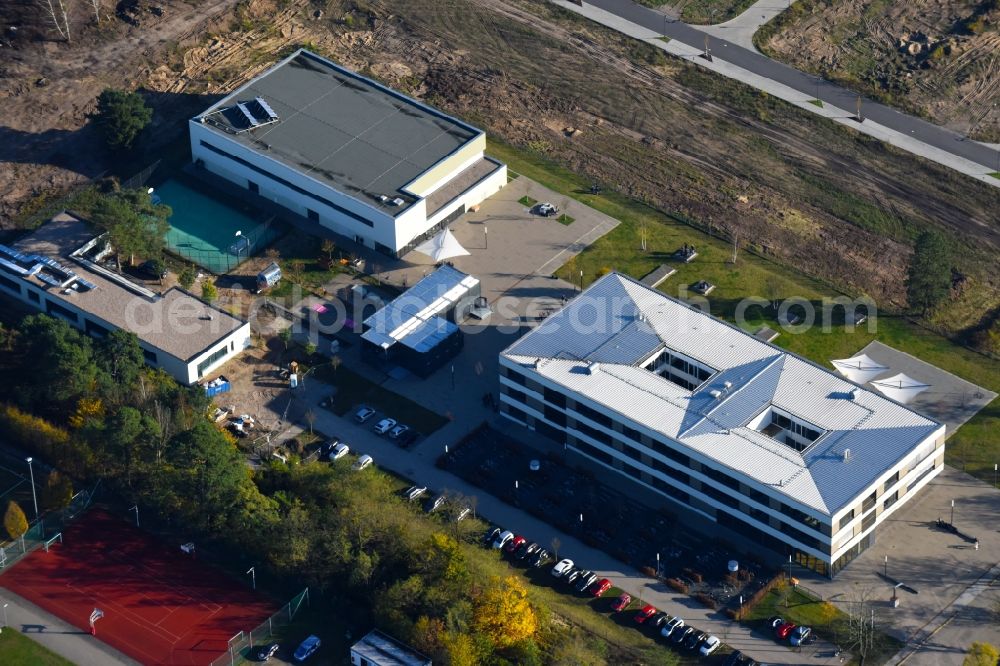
{"points": [[780, 450], [350, 154], [57, 270], [417, 330], [378, 649]]}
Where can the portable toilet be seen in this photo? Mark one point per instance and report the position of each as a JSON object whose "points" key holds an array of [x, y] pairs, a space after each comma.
{"points": [[269, 277]]}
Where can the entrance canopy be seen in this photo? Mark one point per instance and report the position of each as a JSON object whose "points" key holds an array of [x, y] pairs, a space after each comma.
{"points": [[900, 387], [860, 368], [443, 246]]}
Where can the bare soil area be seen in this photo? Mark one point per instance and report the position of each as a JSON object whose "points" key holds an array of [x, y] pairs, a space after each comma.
{"points": [[834, 204], [938, 58]]}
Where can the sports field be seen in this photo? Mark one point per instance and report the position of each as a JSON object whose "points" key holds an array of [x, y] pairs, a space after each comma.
{"points": [[160, 606]]}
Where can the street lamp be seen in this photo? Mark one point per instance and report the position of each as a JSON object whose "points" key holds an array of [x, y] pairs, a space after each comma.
{"points": [[657, 564], [886, 570], [135, 507], [995, 475], [253, 578], [34, 496], [952, 512], [486, 237], [239, 234], [581, 279]]}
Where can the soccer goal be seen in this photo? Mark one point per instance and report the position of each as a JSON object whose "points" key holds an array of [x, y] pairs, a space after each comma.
{"points": [[57, 537]]}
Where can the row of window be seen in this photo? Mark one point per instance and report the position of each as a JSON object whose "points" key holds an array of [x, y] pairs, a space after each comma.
{"points": [[281, 181]]}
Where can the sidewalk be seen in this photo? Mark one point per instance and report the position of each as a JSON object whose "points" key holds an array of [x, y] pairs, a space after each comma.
{"points": [[908, 137], [740, 29], [418, 464], [65, 640]]}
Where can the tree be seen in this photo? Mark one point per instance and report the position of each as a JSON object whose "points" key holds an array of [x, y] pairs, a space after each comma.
{"points": [[335, 363], [929, 278], [981, 654], [57, 491], [208, 291], [556, 544], [503, 613], [135, 225], [310, 417], [56, 11], [120, 359], [14, 521], [328, 247], [61, 361], [285, 335], [186, 277], [862, 633], [121, 115]]}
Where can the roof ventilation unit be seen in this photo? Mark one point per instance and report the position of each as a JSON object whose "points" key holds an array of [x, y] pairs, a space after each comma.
{"points": [[727, 384], [847, 455], [715, 393], [398, 201], [383, 198], [593, 368]]}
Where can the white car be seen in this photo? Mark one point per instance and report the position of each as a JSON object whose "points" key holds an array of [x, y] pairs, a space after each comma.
{"points": [[415, 491], [709, 645], [362, 462], [364, 414], [562, 568], [339, 451], [384, 426], [674, 623], [502, 539], [398, 431]]}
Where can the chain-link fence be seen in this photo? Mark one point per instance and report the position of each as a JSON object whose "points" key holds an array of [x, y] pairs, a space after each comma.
{"points": [[242, 643]]}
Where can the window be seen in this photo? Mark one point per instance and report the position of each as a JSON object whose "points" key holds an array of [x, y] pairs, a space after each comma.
{"points": [[890, 500], [554, 397], [13, 285], [253, 187], [211, 360], [848, 517], [54, 308], [95, 330], [892, 480], [312, 215], [294, 188], [514, 412], [594, 415], [149, 356], [868, 504], [33, 296], [514, 394], [555, 416]]}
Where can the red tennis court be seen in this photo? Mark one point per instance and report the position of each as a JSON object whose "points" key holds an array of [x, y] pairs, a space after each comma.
{"points": [[160, 605]]}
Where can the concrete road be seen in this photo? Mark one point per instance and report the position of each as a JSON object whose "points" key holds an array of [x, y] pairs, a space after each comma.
{"points": [[921, 130], [64, 639]]}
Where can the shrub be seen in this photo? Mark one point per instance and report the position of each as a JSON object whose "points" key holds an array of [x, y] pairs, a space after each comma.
{"points": [[14, 521], [732, 614], [38, 436], [706, 601], [648, 571], [693, 575], [745, 575], [678, 585]]}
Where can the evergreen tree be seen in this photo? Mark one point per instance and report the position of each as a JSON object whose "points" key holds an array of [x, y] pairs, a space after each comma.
{"points": [[929, 278]]}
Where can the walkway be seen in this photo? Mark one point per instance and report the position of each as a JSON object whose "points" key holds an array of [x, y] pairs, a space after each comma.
{"points": [[734, 61], [65, 640], [740, 30]]}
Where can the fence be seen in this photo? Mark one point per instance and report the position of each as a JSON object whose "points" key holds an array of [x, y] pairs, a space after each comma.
{"points": [[16, 549], [243, 641]]}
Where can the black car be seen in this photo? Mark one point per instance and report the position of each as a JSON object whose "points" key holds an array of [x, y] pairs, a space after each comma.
{"points": [[521, 551], [326, 448], [679, 636], [539, 558], [570, 576], [490, 536], [264, 652], [658, 620], [407, 439], [694, 639], [738, 659]]}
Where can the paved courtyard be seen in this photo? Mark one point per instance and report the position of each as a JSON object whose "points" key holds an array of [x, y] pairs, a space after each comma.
{"points": [[949, 400]]}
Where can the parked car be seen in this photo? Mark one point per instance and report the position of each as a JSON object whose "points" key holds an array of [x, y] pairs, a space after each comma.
{"points": [[571, 576], [694, 639], [545, 209], [737, 659], [622, 602], [800, 635], [384, 426], [437, 502], [501, 539], [264, 652], [540, 558], [680, 635], [413, 492], [399, 431], [515, 543], [658, 620], [600, 587], [491, 535], [526, 550], [775, 622], [362, 462], [672, 625], [339, 451], [585, 580], [784, 630], [407, 439], [563, 567], [462, 514], [709, 645], [364, 414], [644, 613], [307, 648], [327, 447]]}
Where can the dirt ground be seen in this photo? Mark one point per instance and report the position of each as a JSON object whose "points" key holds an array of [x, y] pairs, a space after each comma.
{"points": [[810, 194], [938, 57]]}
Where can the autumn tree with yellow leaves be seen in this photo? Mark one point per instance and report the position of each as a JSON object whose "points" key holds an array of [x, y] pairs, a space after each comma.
{"points": [[503, 613]]}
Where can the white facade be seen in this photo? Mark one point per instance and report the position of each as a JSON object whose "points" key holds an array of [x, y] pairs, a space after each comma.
{"points": [[703, 430]]}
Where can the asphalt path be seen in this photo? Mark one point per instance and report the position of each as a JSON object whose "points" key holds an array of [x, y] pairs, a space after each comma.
{"points": [[807, 84]]}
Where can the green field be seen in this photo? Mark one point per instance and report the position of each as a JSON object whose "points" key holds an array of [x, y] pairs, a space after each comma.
{"points": [[975, 447], [18, 650]]}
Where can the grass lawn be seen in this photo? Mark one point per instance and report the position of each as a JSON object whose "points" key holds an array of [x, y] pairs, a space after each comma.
{"points": [[527, 201], [354, 389], [565, 219], [816, 102], [826, 620], [16, 649], [975, 447]]}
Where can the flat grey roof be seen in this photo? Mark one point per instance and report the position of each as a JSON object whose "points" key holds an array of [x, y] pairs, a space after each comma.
{"points": [[345, 130], [175, 322], [383, 650]]}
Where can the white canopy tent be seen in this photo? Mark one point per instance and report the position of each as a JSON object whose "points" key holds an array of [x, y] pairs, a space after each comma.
{"points": [[900, 387], [443, 246], [860, 368]]}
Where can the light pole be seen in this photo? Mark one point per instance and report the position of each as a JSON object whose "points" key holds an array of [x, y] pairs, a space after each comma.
{"points": [[581, 279], [5, 615], [952, 511], [135, 507], [995, 475], [34, 496], [657, 565], [886, 570], [253, 578], [238, 234], [789, 567], [486, 237]]}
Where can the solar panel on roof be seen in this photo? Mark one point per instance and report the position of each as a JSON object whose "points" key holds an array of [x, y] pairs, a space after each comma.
{"points": [[246, 112], [267, 108]]}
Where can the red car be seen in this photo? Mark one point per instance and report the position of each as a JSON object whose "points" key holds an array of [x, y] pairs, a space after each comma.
{"points": [[784, 630], [644, 614], [621, 602], [600, 587], [514, 543]]}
